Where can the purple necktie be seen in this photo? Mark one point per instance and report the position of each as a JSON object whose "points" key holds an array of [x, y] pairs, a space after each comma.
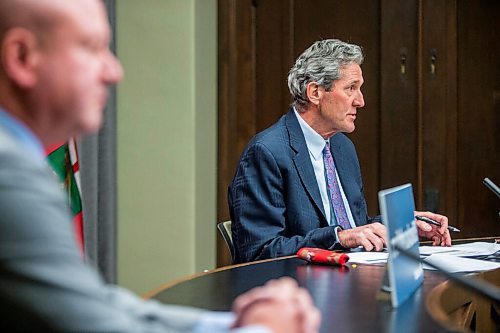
{"points": [[334, 190]]}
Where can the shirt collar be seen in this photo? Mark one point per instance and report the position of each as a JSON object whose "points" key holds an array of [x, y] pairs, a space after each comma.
{"points": [[315, 142], [22, 133]]}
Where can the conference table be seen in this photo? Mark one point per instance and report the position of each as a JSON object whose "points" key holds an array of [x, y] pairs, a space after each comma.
{"points": [[348, 296]]}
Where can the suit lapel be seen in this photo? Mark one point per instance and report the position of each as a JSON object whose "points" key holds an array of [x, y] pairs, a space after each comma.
{"points": [[302, 161]]}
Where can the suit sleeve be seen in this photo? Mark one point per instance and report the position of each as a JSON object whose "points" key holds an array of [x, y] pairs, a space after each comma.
{"points": [[44, 283], [257, 200]]}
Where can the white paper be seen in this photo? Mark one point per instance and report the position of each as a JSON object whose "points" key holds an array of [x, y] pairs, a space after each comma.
{"points": [[368, 257], [450, 258], [455, 264], [462, 250]]}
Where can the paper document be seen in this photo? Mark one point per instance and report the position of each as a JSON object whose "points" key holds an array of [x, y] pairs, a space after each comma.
{"points": [[451, 258], [368, 257], [454, 264], [463, 250]]}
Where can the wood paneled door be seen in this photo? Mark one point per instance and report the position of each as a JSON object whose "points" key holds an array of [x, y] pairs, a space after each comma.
{"points": [[432, 93]]}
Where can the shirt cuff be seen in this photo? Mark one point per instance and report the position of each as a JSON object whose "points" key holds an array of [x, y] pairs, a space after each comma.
{"points": [[336, 245], [212, 322]]}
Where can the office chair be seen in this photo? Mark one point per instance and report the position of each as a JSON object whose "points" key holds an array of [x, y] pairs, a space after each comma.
{"points": [[225, 231]]}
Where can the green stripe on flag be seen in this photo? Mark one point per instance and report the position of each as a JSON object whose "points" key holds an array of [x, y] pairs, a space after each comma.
{"points": [[61, 164]]}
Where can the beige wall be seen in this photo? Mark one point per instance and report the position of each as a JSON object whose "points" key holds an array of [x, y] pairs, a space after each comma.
{"points": [[166, 140]]}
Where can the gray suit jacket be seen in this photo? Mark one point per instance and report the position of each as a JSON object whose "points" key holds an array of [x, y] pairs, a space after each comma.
{"points": [[44, 283]]}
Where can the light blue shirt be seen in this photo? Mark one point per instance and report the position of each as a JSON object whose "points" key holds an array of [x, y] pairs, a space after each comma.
{"points": [[23, 135], [315, 144]]}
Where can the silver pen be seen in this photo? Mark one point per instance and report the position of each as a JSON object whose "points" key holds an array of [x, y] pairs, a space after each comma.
{"points": [[431, 221]]}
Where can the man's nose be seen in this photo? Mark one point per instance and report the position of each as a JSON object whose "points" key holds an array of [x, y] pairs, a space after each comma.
{"points": [[359, 101], [113, 70]]}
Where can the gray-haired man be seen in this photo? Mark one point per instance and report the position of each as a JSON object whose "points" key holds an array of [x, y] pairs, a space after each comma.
{"points": [[298, 183]]}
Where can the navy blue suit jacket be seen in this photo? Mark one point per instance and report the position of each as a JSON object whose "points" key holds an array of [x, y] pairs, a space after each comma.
{"points": [[274, 199]]}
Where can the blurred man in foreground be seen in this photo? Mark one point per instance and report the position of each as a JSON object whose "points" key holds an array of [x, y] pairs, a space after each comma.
{"points": [[55, 71]]}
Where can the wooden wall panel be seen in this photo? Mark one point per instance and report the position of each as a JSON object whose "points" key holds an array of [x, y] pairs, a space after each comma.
{"points": [[478, 115], [438, 108], [273, 60], [398, 93]]}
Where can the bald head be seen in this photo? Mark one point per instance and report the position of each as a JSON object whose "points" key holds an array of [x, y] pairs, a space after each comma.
{"points": [[40, 17], [36, 16], [55, 65]]}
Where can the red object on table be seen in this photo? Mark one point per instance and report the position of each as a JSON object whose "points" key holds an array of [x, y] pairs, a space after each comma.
{"points": [[322, 256]]}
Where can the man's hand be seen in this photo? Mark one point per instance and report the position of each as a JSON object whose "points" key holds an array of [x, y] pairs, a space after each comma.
{"points": [[281, 305], [438, 235], [372, 236]]}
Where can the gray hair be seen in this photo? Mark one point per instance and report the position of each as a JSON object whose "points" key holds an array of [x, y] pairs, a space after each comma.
{"points": [[321, 63]]}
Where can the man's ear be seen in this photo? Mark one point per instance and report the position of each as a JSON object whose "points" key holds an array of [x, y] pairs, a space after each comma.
{"points": [[313, 91], [19, 56]]}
